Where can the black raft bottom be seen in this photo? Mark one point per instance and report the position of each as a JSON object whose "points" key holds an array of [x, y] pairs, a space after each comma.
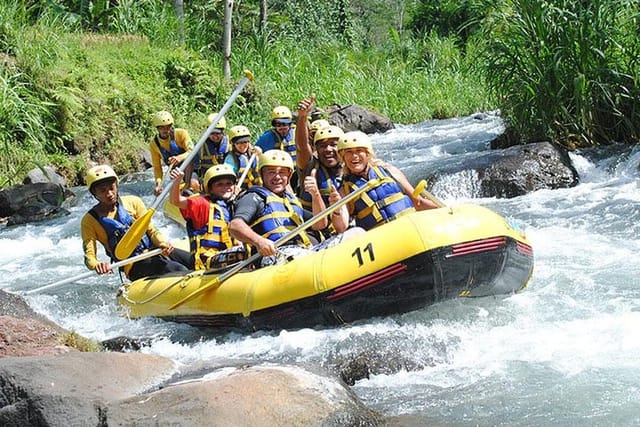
{"points": [[494, 266]]}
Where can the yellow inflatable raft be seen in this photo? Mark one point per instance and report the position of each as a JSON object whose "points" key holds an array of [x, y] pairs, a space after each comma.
{"points": [[407, 264]]}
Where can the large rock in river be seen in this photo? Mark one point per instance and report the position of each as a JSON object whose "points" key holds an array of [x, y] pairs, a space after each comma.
{"points": [[105, 389], [25, 203], [514, 171], [354, 117]]}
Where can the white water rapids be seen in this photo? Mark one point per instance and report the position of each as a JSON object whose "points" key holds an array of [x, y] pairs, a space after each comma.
{"points": [[565, 351]]}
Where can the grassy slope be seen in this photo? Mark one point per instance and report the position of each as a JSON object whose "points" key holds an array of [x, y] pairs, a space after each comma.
{"points": [[104, 89]]}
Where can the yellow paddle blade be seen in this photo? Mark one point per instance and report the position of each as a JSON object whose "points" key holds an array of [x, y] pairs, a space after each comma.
{"points": [[134, 234], [420, 191], [197, 292], [419, 188]]}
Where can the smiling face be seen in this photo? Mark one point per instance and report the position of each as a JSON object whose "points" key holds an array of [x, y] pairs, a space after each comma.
{"points": [[327, 150], [242, 146], [222, 188], [275, 178], [281, 127], [356, 160], [216, 135]]}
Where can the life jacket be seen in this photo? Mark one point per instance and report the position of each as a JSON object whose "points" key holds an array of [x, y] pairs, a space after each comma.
{"points": [[173, 150], [116, 227], [242, 162], [279, 216], [211, 155], [325, 179], [212, 237], [286, 143], [382, 203]]}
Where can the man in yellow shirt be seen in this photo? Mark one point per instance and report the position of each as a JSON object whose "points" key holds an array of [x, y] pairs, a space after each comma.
{"points": [[170, 145], [110, 219]]}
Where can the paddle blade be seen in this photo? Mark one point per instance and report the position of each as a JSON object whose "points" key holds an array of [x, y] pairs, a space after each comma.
{"points": [[419, 188], [214, 284], [133, 235]]}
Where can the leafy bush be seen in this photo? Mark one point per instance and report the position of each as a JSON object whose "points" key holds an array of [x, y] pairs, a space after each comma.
{"points": [[567, 71]]}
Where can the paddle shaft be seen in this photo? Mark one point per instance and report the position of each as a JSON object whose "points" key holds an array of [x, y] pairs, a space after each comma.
{"points": [[129, 241], [246, 171], [290, 235], [194, 152], [113, 266]]}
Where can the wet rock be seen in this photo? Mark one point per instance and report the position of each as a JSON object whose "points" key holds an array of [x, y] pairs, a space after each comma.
{"points": [[374, 363], [26, 203], [107, 388], [124, 389], [258, 395], [123, 344], [23, 332], [45, 174], [514, 171], [526, 168], [355, 117], [73, 388]]}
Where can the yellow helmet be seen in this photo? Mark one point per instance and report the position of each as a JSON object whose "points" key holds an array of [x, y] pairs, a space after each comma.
{"points": [[162, 118], [98, 174], [318, 124], [327, 132], [281, 114], [237, 132], [275, 158], [222, 123], [355, 139], [218, 171]]}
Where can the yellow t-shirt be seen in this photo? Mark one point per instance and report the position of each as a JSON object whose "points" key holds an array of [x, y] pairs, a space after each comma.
{"points": [[182, 140], [92, 232]]}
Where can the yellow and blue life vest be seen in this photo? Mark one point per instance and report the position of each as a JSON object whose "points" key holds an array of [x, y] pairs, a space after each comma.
{"points": [[211, 155], [241, 162], [382, 203], [279, 216], [116, 227], [325, 179], [174, 148], [213, 237], [286, 143]]}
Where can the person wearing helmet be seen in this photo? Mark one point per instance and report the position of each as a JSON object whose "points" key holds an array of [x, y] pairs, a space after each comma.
{"points": [[266, 213], [325, 161], [170, 145], [214, 148], [240, 155], [108, 221], [280, 136], [390, 199], [207, 217]]}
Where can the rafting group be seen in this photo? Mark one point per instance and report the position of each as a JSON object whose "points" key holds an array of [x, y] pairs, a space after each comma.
{"points": [[239, 198]]}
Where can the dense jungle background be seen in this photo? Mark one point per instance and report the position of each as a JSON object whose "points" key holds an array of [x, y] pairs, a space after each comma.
{"points": [[81, 79]]}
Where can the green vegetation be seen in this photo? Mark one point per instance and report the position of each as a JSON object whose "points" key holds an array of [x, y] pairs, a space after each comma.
{"points": [[81, 79], [74, 340], [567, 71]]}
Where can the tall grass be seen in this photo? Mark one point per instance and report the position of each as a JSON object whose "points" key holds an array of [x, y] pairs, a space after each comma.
{"points": [[89, 96], [567, 71]]}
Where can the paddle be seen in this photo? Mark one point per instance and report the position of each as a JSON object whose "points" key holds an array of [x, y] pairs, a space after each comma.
{"points": [[245, 172], [317, 217], [113, 266], [420, 190], [131, 238]]}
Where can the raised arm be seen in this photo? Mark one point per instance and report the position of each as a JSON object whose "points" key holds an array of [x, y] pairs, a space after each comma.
{"points": [[304, 151]]}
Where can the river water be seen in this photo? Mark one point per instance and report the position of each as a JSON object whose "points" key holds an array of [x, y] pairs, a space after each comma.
{"points": [[565, 351]]}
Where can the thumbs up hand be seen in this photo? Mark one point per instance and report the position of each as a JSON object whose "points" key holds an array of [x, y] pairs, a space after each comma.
{"points": [[311, 185]]}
